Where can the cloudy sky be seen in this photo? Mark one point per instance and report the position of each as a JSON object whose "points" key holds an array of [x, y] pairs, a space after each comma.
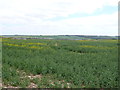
{"points": [[59, 17]]}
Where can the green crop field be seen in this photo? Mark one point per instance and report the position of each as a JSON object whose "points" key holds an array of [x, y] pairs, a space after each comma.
{"points": [[42, 63]]}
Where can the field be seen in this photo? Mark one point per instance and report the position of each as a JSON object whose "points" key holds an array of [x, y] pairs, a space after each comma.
{"points": [[59, 63]]}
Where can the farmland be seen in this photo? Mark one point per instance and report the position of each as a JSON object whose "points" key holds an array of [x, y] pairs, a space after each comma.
{"points": [[46, 63]]}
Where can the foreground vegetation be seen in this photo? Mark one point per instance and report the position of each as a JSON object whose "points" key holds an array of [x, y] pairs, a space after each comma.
{"points": [[60, 63]]}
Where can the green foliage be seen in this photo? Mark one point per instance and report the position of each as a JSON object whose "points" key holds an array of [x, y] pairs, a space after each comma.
{"points": [[89, 64], [12, 77]]}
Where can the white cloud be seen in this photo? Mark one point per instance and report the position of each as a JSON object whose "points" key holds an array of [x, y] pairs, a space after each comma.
{"points": [[51, 8], [92, 25], [35, 14], [100, 25]]}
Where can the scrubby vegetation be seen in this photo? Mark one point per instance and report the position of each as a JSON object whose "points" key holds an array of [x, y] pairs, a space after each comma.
{"points": [[60, 63]]}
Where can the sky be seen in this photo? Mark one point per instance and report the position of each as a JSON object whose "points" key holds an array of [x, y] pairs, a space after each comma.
{"points": [[59, 17]]}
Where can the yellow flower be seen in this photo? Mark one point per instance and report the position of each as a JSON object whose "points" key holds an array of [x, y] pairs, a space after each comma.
{"points": [[109, 41], [36, 43], [35, 47], [17, 45], [97, 47]]}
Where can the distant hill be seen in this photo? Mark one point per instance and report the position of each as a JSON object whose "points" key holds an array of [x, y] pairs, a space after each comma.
{"points": [[63, 37]]}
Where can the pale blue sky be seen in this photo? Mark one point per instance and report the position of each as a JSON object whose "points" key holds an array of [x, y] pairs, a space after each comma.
{"points": [[59, 17]]}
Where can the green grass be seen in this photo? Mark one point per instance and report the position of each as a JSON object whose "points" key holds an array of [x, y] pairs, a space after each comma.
{"points": [[88, 64]]}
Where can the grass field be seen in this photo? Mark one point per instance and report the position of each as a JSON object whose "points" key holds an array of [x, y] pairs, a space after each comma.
{"points": [[60, 63]]}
